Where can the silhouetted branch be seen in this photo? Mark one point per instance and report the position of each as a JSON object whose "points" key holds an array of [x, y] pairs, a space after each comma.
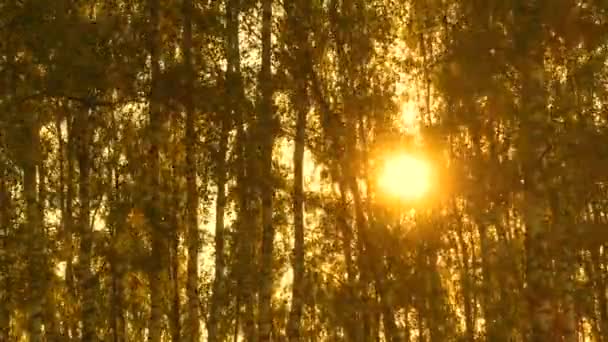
{"points": [[87, 101]]}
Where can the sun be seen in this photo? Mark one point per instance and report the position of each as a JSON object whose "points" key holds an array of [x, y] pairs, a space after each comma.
{"points": [[405, 177]]}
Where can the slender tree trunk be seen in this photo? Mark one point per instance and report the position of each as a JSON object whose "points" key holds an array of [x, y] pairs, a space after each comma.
{"points": [[117, 266], [433, 295], [365, 276], [87, 300], [296, 12], [353, 326], [65, 200], [363, 244], [533, 113], [69, 219], [421, 326], [51, 331], [391, 332], [153, 205], [593, 269], [246, 238], [465, 275], [344, 39], [117, 323], [267, 186], [298, 216], [117, 270], [565, 320], [193, 323], [601, 294], [218, 298], [175, 321], [5, 219], [598, 278], [35, 232]]}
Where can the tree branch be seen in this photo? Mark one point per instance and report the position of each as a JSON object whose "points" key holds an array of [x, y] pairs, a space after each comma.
{"points": [[87, 101]]}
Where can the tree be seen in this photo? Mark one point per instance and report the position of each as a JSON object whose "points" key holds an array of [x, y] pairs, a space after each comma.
{"points": [[266, 134]]}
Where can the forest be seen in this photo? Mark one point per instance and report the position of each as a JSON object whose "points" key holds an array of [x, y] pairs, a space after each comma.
{"points": [[304, 170]]}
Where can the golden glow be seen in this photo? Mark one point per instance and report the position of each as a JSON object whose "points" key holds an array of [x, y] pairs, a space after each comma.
{"points": [[409, 118], [405, 177]]}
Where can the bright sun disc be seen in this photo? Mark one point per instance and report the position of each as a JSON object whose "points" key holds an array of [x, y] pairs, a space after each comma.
{"points": [[405, 177]]}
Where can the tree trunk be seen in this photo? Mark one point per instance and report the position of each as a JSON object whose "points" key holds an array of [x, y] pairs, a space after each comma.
{"points": [[36, 237], [193, 322], [49, 318], [218, 298], [532, 115], [175, 321], [153, 206], [5, 219], [467, 289], [266, 187], [245, 240], [297, 34], [65, 204], [363, 257], [87, 290], [117, 270], [68, 217], [298, 216], [351, 312], [116, 306]]}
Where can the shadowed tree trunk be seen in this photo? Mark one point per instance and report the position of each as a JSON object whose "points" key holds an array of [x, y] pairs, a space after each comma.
{"points": [[49, 318], [193, 322], [35, 237], [218, 299], [245, 242], [266, 133], [296, 13], [87, 300], [297, 300], [5, 219], [352, 314], [117, 268], [533, 114], [153, 203]]}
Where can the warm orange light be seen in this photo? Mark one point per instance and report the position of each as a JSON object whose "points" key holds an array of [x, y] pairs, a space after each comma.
{"points": [[405, 177]]}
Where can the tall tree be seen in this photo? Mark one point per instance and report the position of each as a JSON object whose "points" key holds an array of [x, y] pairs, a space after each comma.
{"points": [[193, 322], [266, 133], [5, 219], [31, 132], [82, 130], [153, 199], [297, 36]]}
